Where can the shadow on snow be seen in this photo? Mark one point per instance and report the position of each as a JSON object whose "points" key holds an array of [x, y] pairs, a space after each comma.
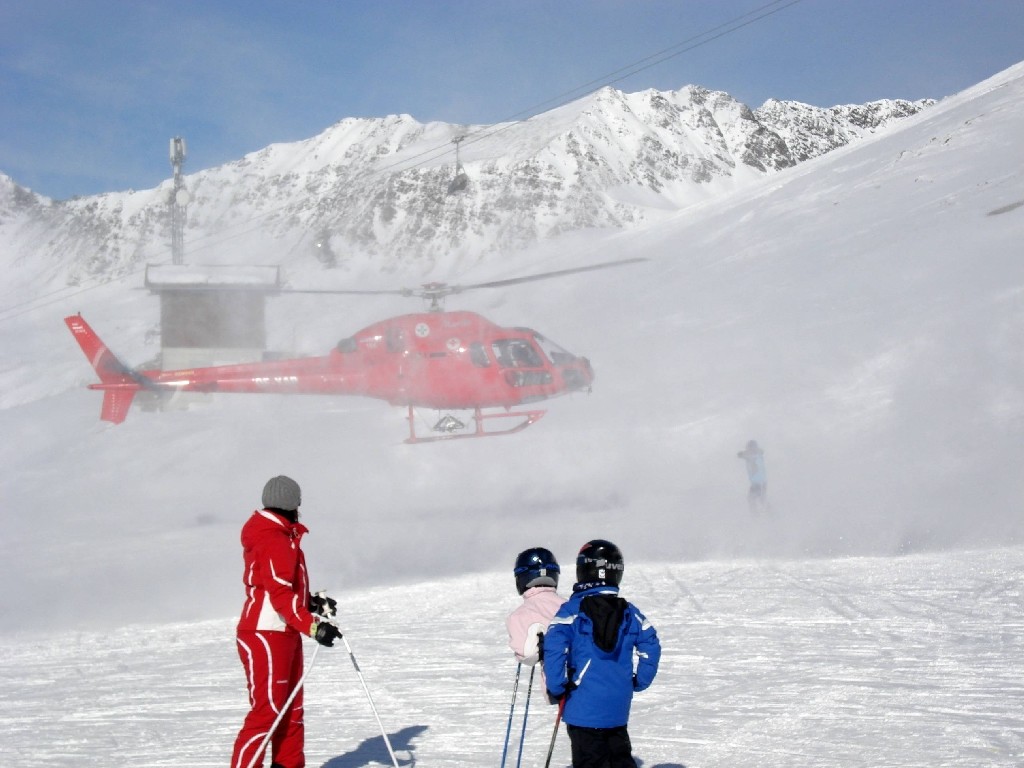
{"points": [[374, 750]]}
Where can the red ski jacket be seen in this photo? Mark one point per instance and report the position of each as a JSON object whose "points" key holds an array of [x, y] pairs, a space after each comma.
{"points": [[276, 582]]}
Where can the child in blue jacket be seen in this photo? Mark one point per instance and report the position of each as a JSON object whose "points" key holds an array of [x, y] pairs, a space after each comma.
{"points": [[589, 654]]}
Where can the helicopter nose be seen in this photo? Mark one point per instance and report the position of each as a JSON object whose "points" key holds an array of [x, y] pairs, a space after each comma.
{"points": [[579, 377]]}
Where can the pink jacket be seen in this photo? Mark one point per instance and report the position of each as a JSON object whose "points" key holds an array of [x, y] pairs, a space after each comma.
{"points": [[533, 616]]}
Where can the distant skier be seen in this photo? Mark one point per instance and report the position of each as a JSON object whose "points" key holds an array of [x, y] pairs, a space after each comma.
{"points": [[757, 496], [278, 611], [536, 573], [589, 653]]}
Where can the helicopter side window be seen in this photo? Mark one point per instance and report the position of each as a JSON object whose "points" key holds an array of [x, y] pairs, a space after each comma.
{"points": [[478, 355], [516, 353], [395, 340], [347, 345]]}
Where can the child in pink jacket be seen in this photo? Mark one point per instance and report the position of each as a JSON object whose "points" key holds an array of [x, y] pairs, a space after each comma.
{"points": [[536, 573]]}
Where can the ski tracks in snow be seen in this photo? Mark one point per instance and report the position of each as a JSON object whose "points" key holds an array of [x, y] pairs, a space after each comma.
{"points": [[909, 662]]}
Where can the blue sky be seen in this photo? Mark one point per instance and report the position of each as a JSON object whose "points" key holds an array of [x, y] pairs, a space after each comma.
{"points": [[92, 90]]}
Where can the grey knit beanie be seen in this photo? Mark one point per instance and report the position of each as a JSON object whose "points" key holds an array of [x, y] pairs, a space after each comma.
{"points": [[282, 493]]}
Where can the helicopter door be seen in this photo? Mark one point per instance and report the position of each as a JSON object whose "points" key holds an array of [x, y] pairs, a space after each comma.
{"points": [[523, 364], [478, 355], [395, 340], [395, 343], [516, 353]]}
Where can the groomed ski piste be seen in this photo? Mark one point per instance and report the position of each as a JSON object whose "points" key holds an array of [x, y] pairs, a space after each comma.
{"points": [[861, 316], [894, 661]]}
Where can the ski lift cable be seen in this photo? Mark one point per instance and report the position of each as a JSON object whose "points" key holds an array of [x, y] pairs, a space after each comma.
{"points": [[618, 75], [473, 136], [51, 298], [622, 74], [654, 59]]}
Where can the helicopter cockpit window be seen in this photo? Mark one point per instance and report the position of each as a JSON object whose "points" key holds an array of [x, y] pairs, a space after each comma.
{"points": [[516, 353], [478, 355], [555, 353]]}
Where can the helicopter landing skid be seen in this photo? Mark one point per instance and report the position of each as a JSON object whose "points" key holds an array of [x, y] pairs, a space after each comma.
{"points": [[449, 426]]}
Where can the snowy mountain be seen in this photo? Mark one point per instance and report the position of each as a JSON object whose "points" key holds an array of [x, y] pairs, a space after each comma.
{"points": [[377, 189], [861, 314]]}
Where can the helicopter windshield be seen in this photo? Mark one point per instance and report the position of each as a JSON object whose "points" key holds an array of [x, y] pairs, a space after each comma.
{"points": [[516, 353], [555, 353]]}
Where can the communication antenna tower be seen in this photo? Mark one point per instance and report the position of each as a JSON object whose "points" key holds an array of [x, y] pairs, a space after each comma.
{"points": [[179, 202]]}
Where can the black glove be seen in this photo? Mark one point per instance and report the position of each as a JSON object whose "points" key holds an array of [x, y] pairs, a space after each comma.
{"points": [[323, 605], [325, 633], [554, 698]]}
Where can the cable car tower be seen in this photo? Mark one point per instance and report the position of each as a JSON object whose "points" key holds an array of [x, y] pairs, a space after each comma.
{"points": [[179, 202], [461, 180]]}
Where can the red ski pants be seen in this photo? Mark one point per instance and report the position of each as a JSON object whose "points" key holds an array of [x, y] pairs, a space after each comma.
{"points": [[273, 667]]}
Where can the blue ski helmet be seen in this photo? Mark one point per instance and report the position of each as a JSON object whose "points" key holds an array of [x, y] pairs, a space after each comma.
{"points": [[599, 560], [536, 567]]}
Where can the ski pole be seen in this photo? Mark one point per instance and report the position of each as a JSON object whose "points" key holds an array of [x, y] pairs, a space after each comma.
{"points": [[387, 741], [287, 703], [526, 713], [558, 719], [511, 710]]}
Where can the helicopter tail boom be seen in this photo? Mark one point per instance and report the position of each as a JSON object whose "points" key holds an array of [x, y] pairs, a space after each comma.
{"points": [[118, 382]]}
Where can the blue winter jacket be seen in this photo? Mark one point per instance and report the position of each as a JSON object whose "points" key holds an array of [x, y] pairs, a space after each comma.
{"points": [[602, 681]]}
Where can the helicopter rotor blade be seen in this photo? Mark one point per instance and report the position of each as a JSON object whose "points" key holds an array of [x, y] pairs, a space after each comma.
{"points": [[546, 275], [394, 292], [435, 291]]}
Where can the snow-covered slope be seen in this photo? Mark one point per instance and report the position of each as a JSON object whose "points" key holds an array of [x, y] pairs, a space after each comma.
{"points": [[908, 662], [860, 314]]}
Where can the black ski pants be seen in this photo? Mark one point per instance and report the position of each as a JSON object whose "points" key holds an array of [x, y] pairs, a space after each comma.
{"points": [[600, 747]]}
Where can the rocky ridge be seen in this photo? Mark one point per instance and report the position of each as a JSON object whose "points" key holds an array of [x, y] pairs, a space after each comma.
{"points": [[382, 189]]}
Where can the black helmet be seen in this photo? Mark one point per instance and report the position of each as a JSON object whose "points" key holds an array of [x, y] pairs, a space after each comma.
{"points": [[599, 560], [536, 567]]}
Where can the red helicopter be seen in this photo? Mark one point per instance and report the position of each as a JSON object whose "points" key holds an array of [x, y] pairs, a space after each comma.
{"points": [[435, 359]]}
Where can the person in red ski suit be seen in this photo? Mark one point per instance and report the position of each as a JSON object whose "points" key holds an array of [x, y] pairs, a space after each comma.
{"points": [[278, 612]]}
